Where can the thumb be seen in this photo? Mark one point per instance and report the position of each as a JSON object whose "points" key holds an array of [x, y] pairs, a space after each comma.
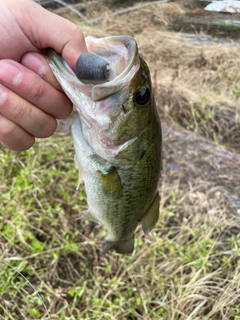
{"points": [[55, 32]]}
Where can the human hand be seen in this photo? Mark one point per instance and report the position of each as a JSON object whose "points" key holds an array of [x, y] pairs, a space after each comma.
{"points": [[30, 98]]}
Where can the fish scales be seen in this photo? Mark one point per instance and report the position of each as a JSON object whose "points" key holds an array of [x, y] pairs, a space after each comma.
{"points": [[117, 140]]}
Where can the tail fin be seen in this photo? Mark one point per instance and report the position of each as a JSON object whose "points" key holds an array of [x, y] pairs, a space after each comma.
{"points": [[121, 246]]}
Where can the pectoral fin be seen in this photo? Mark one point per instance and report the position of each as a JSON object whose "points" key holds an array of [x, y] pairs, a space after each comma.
{"points": [[111, 183], [151, 217], [121, 246]]}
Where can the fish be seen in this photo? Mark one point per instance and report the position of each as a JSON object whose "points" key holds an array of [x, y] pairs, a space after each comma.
{"points": [[117, 139]]}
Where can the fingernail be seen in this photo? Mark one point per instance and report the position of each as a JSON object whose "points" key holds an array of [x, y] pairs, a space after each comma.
{"points": [[42, 70], [10, 74], [3, 94], [35, 62]]}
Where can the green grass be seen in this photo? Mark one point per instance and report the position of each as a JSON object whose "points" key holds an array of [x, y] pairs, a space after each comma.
{"points": [[187, 269]]}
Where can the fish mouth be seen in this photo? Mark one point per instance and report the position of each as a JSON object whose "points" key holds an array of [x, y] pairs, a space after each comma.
{"points": [[120, 52]]}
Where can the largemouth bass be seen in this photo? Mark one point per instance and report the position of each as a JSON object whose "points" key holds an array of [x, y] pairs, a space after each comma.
{"points": [[117, 140]]}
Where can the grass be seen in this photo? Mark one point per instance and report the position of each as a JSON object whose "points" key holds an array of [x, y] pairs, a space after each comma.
{"points": [[187, 269]]}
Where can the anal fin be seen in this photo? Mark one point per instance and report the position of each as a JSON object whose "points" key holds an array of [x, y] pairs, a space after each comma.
{"points": [[121, 246], [151, 217]]}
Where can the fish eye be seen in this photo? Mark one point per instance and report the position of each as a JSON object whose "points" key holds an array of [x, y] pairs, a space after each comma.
{"points": [[142, 96]]}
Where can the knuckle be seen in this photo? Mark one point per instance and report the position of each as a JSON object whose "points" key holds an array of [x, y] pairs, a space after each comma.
{"points": [[16, 113], [13, 137], [12, 110], [36, 91], [7, 128], [76, 31], [19, 111]]}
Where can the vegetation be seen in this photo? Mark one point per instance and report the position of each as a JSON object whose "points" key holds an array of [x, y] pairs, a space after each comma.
{"points": [[188, 268]]}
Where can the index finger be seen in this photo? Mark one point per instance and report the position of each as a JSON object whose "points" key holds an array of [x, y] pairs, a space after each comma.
{"points": [[38, 64]]}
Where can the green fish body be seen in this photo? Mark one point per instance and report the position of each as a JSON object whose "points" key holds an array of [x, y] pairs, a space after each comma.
{"points": [[117, 140]]}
